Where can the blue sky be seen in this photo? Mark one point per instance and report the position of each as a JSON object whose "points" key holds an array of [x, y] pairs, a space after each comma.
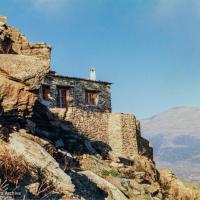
{"points": [[149, 49]]}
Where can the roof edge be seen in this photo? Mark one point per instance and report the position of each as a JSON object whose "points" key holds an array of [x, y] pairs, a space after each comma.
{"points": [[53, 73]]}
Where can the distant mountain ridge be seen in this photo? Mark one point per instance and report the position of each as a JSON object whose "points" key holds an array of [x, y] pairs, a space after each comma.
{"points": [[175, 136], [184, 120]]}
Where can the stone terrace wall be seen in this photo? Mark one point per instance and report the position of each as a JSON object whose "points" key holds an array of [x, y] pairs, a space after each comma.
{"points": [[93, 125], [115, 129]]}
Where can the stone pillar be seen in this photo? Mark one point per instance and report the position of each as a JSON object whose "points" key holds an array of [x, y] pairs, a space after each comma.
{"points": [[122, 132], [129, 135]]}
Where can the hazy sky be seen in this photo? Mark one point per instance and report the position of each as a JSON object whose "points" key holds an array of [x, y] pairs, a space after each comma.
{"points": [[149, 49]]}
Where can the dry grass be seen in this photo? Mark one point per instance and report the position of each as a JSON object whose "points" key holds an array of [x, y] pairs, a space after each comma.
{"points": [[3, 185], [45, 190], [14, 171], [13, 167]]}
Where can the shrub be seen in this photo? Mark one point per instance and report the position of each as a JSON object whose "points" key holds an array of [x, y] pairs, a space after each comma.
{"points": [[113, 173], [45, 188], [13, 167], [105, 173], [147, 197], [128, 173]]}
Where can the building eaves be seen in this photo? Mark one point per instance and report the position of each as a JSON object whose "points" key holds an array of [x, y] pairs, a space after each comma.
{"points": [[79, 79]]}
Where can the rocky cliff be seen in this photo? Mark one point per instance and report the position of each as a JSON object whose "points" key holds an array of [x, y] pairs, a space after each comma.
{"points": [[39, 159], [22, 68]]}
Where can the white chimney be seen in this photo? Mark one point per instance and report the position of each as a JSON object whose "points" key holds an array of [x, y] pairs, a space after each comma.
{"points": [[93, 74]]}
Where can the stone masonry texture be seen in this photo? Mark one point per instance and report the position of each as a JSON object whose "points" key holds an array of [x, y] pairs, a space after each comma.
{"points": [[117, 130], [77, 88]]}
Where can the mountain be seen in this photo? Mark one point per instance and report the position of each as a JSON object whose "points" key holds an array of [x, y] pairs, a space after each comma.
{"points": [[175, 136]]}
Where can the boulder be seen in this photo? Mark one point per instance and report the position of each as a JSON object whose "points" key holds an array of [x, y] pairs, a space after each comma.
{"points": [[116, 165], [103, 184], [28, 70], [38, 157]]}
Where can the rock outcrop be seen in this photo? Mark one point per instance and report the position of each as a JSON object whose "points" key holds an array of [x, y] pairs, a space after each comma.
{"points": [[115, 193], [22, 68], [38, 157], [176, 188]]}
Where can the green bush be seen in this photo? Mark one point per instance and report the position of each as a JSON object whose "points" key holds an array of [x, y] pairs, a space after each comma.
{"points": [[147, 197], [105, 173], [113, 173]]}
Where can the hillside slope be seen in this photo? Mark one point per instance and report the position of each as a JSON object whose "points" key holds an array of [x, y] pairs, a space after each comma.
{"points": [[175, 135]]}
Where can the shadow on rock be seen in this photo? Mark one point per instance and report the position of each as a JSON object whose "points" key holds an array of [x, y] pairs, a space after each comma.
{"points": [[46, 125], [86, 188]]}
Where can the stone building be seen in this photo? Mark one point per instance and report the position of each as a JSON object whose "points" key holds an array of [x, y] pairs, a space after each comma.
{"points": [[85, 106], [88, 94]]}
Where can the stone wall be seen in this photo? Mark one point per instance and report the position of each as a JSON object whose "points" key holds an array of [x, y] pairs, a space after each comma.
{"points": [[93, 125], [117, 130], [77, 88]]}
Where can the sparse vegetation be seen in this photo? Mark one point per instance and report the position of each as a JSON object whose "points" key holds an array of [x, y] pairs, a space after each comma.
{"points": [[105, 173], [166, 188], [130, 173], [13, 167], [14, 170], [45, 188], [147, 197], [139, 167], [113, 173], [116, 174]]}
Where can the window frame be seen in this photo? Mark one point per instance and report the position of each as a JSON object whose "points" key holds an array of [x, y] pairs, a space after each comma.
{"points": [[62, 96], [88, 98]]}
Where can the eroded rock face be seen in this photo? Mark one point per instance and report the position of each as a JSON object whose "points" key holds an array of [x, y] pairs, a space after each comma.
{"points": [[114, 192], [22, 68], [3, 20], [36, 156]]}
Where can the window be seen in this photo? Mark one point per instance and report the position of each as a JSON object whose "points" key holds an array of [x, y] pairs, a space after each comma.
{"points": [[91, 98], [63, 96], [45, 92]]}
